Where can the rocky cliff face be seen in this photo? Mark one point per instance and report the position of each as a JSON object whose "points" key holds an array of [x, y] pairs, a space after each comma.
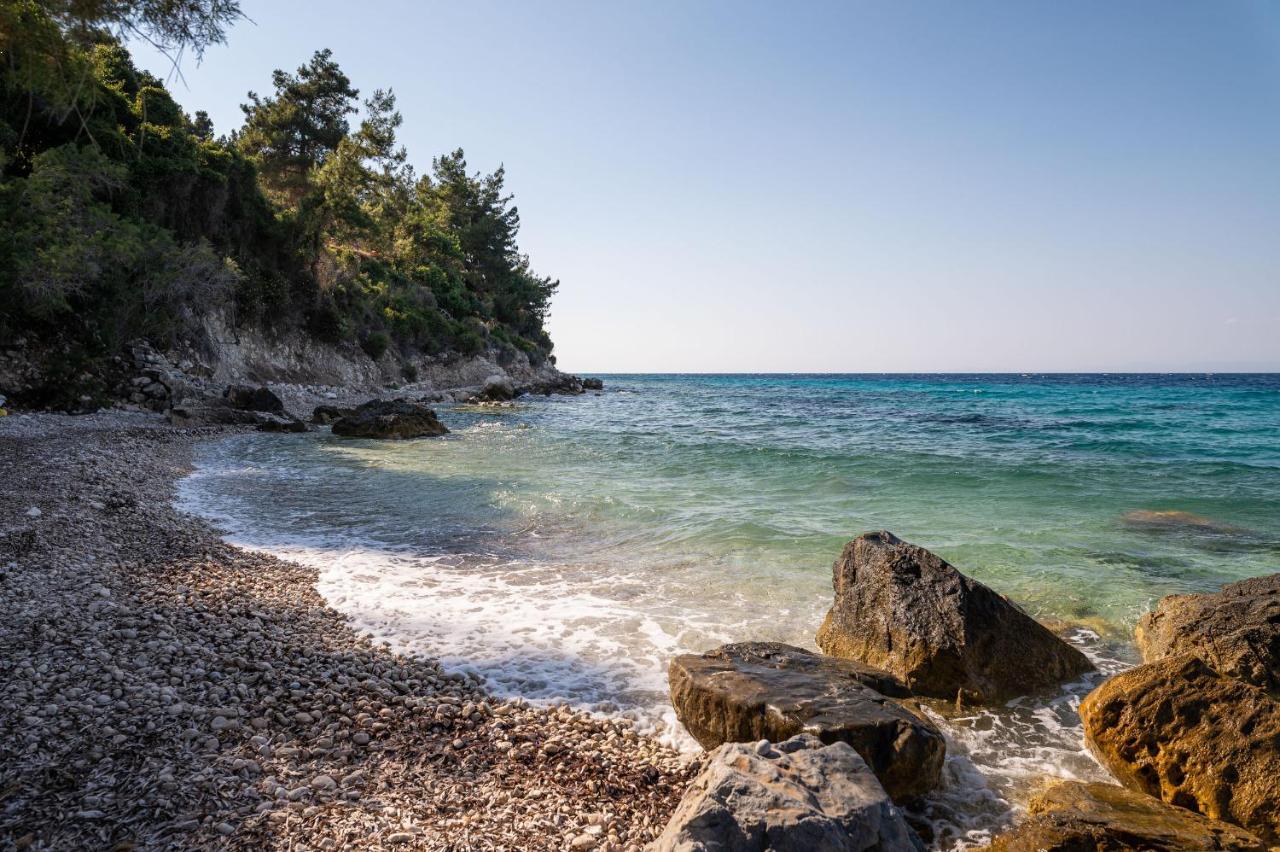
{"points": [[222, 355]]}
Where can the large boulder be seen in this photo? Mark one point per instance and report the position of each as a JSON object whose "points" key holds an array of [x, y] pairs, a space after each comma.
{"points": [[1072, 816], [797, 796], [1181, 732], [497, 389], [248, 398], [1236, 631], [901, 608], [766, 690], [397, 418]]}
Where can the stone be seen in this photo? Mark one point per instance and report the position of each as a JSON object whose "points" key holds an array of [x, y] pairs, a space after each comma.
{"points": [[390, 419], [247, 398], [324, 415], [765, 690], [592, 384], [497, 389], [1236, 630], [904, 609], [273, 423], [1179, 731], [1072, 815], [802, 796]]}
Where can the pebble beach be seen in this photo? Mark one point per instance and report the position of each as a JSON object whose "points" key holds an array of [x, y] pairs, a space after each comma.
{"points": [[160, 688]]}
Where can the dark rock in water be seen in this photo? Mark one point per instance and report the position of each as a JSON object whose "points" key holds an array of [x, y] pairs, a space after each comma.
{"points": [[593, 384], [213, 412], [323, 415], [1236, 630], [797, 796], [901, 608], [1071, 816], [561, 383], [1173, 521], [766, 690], [1179, 731], [271, 423], [397, 418], [246, 398]]}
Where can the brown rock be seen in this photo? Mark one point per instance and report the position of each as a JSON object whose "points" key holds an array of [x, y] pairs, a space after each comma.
{"points": [[901, 608], [770, 691], [1236, 630], [1071, 816], [1178, 730]]}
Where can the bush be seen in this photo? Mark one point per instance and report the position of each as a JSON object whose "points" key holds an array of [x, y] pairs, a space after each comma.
{"points": [[375, 344], [409, 372]]}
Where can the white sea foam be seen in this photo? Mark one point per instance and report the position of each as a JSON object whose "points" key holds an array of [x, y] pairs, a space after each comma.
{"points": [[599, 636]]}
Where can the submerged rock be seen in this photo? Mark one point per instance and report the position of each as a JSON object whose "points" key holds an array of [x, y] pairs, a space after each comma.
{"points": [[797, 796], [1071, 816], [396, 418], [1178, 730], [1173, 520], [900, 607], [766, 690], [247, 398], [1236, 631]]}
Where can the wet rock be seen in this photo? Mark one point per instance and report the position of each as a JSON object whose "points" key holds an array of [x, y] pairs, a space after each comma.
{"points": [[764, 690], [247, 398], [397, 418], [323, 415], [593, 384], [800, 795], [272, 423], [1181, 732], [900, 607], [1236, 630], [1071, 816]]}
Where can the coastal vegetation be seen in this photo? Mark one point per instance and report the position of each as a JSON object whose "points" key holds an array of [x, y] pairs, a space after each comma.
{"points": [[128, 218]]}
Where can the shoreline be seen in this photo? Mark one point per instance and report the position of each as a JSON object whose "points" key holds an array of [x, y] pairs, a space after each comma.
{"points": [[163, 687]]}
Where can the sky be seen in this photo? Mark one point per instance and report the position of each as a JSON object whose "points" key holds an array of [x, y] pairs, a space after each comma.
{"points": [[844, 187]]}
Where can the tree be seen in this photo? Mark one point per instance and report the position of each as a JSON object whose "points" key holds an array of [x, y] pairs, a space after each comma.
{"points": [[291, 134], [202, 126]]}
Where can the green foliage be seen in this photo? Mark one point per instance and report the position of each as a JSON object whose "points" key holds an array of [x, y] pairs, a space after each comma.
{"points": [[125, 218]]}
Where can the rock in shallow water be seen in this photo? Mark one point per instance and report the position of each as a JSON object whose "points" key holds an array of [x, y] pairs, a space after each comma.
{"points": [[1236, 631], [396, 418], [1071, 816], [1178, 730], [797, 796], [766, 690], [900, 607]]}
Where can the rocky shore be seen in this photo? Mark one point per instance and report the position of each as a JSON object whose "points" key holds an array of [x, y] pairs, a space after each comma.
{"points": [[162, 689]]}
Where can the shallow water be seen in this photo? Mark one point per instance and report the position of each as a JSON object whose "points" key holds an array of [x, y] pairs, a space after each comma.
{"points": [[565, 548]]}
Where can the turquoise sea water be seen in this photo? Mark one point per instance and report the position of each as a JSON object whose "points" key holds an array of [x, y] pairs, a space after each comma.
{"points": [[565, 548]]}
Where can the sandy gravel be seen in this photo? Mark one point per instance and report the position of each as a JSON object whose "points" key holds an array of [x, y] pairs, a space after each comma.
{"points": [[161, 689]]}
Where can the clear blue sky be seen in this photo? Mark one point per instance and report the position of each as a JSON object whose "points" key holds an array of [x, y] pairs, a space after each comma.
{"points": [[848, 186]]}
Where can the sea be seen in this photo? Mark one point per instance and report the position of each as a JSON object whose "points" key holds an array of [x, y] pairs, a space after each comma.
{"points": [[563, 549]]}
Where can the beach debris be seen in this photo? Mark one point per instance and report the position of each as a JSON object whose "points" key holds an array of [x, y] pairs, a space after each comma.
{"points": [[901, 608]]}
